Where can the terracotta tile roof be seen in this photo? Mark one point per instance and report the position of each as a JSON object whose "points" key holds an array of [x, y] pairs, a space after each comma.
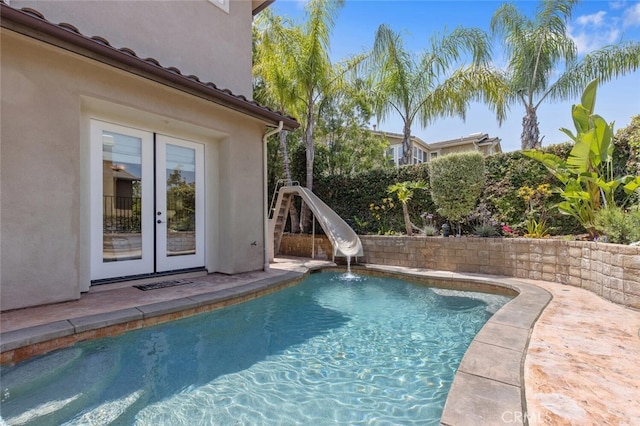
{"points": [[32, 23]]}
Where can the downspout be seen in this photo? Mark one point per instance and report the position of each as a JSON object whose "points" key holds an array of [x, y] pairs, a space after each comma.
{"points": [[265, 195]]}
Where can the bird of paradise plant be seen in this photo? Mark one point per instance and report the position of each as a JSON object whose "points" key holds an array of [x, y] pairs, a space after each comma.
{"points": [[587, 174]]}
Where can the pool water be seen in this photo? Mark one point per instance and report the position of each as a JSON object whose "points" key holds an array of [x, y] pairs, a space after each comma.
{"points": [[328, 351]]}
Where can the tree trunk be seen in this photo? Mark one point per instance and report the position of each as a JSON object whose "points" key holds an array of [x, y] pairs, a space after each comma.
{"points": [[530, 137], [293, 212], [407, 219], [406, 145]]}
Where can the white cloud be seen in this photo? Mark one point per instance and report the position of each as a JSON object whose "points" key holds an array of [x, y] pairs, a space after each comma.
{"points": [[593, 19], [619, 4], [587, 41], [594, 31], [632, 16]]}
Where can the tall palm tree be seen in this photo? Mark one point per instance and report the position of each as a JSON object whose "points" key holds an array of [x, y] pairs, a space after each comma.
{"points": [[272, 86], [540, 48], [425, 87], [304, 54]]}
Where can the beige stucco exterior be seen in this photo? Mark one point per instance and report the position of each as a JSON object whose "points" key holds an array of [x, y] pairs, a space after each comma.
{"points": [[48, 97], [423, 151], [196, 36]]}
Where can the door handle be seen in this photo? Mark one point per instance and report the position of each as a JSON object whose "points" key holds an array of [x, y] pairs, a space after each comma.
{"points": [[160, 221]]}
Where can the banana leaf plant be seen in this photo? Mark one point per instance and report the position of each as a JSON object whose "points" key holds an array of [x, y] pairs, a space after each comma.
{"points": [[588, 173]]}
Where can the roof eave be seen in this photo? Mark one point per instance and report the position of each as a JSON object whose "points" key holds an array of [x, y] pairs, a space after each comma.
{"points": [[260, 5], [98, 49]]}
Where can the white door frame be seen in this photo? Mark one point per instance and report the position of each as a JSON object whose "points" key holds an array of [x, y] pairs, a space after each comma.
{"points": [[164, 262], [153, 193]]}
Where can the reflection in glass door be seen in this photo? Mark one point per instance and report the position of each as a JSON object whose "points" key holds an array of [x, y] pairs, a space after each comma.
{"points": [[141, 225], [121, 201], [179, 203], [122, 197]]}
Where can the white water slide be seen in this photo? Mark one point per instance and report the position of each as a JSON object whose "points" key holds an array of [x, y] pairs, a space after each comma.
{"points": [[344, 240]]}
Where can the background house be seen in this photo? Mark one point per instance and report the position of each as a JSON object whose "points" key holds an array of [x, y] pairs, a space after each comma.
{"points": [[149, 102], [423, 152]]}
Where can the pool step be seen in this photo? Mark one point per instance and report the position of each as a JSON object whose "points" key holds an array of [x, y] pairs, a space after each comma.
{"points": [[54, 400]]}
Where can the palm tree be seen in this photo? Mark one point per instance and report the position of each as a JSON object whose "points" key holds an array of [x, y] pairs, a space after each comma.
{"points": [[540, 48], [304, 54], [424, 88], [272, 86]]}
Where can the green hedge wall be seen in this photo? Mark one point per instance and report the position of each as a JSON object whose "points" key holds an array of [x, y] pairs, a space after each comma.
{"points": [[352, 196]]}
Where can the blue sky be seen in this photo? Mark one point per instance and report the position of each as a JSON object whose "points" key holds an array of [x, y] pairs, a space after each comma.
{"points": [[594, 24]]}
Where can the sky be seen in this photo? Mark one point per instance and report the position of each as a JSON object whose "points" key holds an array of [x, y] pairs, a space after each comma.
{"points": [[594, 24]]}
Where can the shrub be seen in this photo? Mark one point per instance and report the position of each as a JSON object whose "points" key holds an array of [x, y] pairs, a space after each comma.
{"points": [[486, 231], [456, 183], [506, 173], [619, 226], [430, 230]]}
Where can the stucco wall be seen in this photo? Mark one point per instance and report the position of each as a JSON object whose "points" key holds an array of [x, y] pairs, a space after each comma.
{"points": [[196, 36], [48, 97], [609, 270]]}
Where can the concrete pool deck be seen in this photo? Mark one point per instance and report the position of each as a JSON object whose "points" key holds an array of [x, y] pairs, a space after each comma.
{"points": [[577, 364]]}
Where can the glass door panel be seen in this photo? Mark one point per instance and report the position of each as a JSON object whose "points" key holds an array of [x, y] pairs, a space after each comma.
{"points": [[179, 203], [121, 194], [180, 182], [121, 201]]}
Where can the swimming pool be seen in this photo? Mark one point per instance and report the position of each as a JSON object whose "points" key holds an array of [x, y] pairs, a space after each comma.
{"points": [[327, 351]]}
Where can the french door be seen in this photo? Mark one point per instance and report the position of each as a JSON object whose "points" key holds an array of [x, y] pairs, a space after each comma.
{"points": [[147, 202]]}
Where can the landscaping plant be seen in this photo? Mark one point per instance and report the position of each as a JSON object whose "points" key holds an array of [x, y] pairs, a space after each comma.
{"points": [[536, 213], [381, 213], [485, 230], [404, 192], [428, 225], [619, 226], [588, 173], [456, 183]]}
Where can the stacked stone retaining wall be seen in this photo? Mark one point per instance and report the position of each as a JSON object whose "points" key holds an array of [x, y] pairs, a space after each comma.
{"points": [[609, 270]]}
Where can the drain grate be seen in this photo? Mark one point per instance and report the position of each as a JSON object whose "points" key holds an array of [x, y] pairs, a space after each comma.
{"points": [[162, 284]]}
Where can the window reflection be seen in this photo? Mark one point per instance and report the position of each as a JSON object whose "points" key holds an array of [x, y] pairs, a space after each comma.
{"points": [[181, 200], [121, 191]]}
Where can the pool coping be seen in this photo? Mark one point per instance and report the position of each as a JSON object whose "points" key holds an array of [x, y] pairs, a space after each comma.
{"points": [[20, 344], [488, 386]]}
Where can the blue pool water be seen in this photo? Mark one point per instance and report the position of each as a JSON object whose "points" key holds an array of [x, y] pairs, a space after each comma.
{"points": [[327, 351]]}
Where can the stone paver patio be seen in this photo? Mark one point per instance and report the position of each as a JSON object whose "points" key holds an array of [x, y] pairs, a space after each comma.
{"points": [[581, 364]]}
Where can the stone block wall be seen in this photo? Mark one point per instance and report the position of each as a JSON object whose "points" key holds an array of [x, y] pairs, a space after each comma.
{"points": [[611, 271], [302, 245]]}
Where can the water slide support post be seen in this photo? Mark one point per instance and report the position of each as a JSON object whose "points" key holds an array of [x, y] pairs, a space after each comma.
{"points": [[313, 236]]}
